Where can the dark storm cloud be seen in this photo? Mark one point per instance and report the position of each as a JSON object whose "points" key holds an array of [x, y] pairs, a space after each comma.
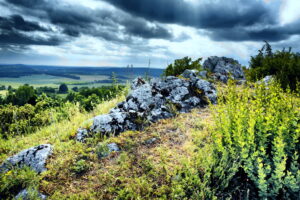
{"points": [[271, 33], [28, 3], [18, 23], [77, 20], [208, 14], [16, 38], [235, 20], [14, 31]]}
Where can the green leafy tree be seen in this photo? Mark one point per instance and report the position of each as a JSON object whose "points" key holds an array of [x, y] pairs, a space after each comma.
{"points": [[283, 65], [23, 95], [63, 88], [180, 65], [75, 89]]}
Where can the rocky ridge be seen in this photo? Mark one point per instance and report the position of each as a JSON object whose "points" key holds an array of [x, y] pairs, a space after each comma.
{"points": [[151, 101]]}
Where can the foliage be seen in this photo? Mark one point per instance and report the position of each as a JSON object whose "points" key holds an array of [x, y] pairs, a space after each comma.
{"points": [[284, 65], [23, 95], [46, 90], [20, 120], [89, 98], [63, 88], [24, 110], [15, 180], [80, 167], [75, 89], [257, 132], [180, 65]]}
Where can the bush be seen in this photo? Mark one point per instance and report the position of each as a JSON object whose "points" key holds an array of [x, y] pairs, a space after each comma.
{"points": [[15, 180], [63, 88], [23, 95], [102, 150], [89, 98], [80, 167], [180, 65], [284, 65], [256, 144], [253, 151], [20, 120]]}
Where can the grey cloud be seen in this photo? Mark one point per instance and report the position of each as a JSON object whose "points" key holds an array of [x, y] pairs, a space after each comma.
{"points": [[18, 23], [77, 20], [235, 20]]}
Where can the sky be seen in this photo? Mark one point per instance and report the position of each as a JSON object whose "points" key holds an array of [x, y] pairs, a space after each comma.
{"points": [[139, 32]]}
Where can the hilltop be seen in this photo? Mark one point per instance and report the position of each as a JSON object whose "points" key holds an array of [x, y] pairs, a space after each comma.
{"points": [[198, 132]]}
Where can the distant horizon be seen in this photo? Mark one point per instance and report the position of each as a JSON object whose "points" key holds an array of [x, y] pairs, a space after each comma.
{"points": [[37, 65]]}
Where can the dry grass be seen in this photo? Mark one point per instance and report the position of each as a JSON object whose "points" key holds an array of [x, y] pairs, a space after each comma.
{"points": [[142, 170]]}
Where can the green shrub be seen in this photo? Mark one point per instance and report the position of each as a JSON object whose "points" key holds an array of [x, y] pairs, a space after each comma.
{"points": [[89, 98], [80, 167], [284, 65], [180, 65], [15, 180], [102, 150], [253, 151], [256, 140]]}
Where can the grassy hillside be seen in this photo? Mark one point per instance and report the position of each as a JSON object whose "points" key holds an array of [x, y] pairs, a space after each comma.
{"points": [[246, 147]]}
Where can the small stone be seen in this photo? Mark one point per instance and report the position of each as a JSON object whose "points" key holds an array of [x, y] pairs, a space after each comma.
{"points": [[113, 147], [103, 150], [82, 134], [266, 80], [150, 141]]}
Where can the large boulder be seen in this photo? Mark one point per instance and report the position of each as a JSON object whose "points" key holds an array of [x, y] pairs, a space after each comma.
{"points": [[224, 68], [34, 157], [154, 100]]}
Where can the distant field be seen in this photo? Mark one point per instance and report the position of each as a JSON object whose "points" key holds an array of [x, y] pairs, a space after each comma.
{"points": [[53, 81], [53, 76]]}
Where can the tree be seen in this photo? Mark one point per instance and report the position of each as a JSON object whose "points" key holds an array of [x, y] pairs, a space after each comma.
{"points": [[23, 95], [180, 65], [75, 89], [283, 65], [63, 88]]}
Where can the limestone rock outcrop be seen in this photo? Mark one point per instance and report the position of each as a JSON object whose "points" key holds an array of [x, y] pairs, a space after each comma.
{"points": [[154, 100], [224, 68]]}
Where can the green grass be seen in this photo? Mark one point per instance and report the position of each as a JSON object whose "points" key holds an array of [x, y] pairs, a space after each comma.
{"points": [[3, 92], [53, 81]]}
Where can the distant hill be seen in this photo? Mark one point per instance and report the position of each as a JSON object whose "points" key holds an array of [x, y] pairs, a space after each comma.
{"points": [[15, 71], [19, 70]]}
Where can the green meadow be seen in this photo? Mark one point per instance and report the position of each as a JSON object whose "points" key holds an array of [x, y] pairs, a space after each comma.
{"points": [[42, 80]]}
